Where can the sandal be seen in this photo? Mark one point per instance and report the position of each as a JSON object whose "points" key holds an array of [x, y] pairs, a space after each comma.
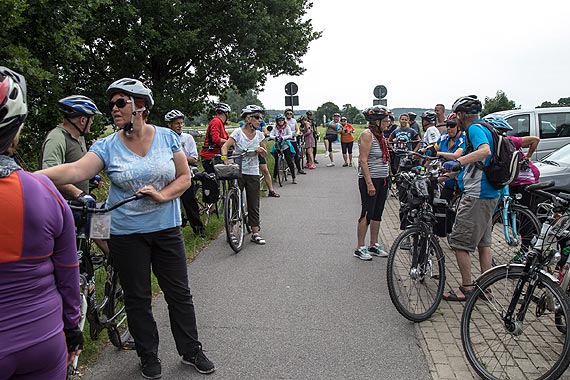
{"points": [[273, 194], [452, 296], [257, 239]]}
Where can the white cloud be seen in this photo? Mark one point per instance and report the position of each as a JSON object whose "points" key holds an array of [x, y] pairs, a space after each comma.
{"points": [[428, 52]]}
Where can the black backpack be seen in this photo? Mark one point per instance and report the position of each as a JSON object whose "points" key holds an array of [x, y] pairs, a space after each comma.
{"points": [[505, 162]]}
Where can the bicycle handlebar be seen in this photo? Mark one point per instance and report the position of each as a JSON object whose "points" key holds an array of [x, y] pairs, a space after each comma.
{"points": [[562, 199], [412, 153], [78, 206]]}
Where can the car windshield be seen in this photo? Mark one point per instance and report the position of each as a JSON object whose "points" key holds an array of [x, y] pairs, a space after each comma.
{"points": [[560, 156]]}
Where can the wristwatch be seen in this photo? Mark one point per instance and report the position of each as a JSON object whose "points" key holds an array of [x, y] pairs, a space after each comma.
{"points": [[223, 157]]}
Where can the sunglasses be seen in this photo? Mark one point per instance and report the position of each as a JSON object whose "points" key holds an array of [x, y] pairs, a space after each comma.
{"points": [[451, 126], [258, 117], [120, 103]]}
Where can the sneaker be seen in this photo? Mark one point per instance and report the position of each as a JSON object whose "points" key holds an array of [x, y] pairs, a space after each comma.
{"points": [[199, 361], [316, 162], [150, 366], [350, 164], [294, 181], [362, 254], [312, 167], [306, 166], [377, 251], [330, 164], [302, 172], [344, 165]]}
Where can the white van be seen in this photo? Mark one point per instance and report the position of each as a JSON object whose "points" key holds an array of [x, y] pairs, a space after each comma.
{"points": [[551, 125]]}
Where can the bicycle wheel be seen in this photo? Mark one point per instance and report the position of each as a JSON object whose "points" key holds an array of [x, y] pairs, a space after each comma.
{"points": [[536, 349], [233, 220], [281, 174], [416, 289], [220, 203], [118, 329], [527, 227]]}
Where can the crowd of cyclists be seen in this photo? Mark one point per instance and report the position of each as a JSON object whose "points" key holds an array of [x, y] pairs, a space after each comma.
{"points": [[39, 329]]}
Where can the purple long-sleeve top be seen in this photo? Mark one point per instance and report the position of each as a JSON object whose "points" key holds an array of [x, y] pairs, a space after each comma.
{"points": [[39, 271]]}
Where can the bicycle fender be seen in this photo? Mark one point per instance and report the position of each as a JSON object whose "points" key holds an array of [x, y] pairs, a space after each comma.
{"points": [[512, 267]]}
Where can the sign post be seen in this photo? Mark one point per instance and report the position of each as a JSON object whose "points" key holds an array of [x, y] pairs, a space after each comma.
{"points": [[290, 99]]}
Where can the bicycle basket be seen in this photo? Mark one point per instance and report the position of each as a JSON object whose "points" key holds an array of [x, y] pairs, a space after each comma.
{"points": [[229, 171]]}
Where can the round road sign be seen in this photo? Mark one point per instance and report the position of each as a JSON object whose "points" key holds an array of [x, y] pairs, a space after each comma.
{"points": [[380, 91], [291, 88]]}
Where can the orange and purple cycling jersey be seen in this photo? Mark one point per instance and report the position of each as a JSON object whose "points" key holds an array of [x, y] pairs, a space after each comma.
{"points": [[39, 274]]}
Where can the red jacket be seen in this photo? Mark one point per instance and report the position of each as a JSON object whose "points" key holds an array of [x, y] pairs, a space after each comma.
{"points": [[215, 132]]}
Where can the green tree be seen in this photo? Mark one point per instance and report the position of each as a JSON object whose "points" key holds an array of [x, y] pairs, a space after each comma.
{"points": [[186, 51], [562, 102], [353, 114], [327, 109], [498, 103], [238, 100]]}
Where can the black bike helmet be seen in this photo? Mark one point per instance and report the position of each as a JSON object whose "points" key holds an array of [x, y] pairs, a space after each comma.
{"points": [[376, 113], [429, 116], [468, 104]]}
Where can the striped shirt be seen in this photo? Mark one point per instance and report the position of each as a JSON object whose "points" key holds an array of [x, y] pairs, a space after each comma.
{"points": [[376, 165]]}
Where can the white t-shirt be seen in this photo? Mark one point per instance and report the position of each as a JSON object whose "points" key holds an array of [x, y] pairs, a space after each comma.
{"points": [[431, 135], [250, 162], [189, 145], [292, 123]]}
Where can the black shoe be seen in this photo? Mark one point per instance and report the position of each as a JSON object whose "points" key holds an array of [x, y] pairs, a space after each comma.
{"points": [[199, 361], [302, 172], [201, 232], [316, 162], [150, 367]]}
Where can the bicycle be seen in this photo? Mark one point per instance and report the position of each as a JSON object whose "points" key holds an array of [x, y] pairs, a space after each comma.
{"points": [[517, 314], [514, 226], [283, 170], [205, 208], [416, 264], [235, 201], [107, 313]]}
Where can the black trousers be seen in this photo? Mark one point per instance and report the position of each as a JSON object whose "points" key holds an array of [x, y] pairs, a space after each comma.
{"points": [[164, 251], [192, 208], [297, 156]]}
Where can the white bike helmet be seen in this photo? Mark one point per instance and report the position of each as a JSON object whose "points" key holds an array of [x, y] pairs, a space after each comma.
{"points": [[134, 88], [13, 106], [250, 109], [223, 107], [173, 115]]}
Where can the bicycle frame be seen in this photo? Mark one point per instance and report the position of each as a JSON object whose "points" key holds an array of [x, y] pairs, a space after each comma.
{"points": [[509, 217]]}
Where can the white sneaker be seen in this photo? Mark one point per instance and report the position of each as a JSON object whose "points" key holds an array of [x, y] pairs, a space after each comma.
{"points": [[362, 254], [377, 250], [330, 164]]}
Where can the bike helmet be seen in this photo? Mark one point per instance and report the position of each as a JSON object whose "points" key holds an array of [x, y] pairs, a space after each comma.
{"points": [[376, 113], [412, 116], [279, 116], [134, 88], [78, 105], [13, 107], [223, 108], [498, 122], [173, 115], [429, 116], [250, 109], [468, 104], [309, 113], [451, 119]]}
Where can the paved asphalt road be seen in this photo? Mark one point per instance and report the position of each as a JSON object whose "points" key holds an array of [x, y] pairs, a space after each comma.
{"points": [[300, 307]]}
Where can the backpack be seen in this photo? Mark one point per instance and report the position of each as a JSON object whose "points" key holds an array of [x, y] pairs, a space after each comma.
{"points": [[210, 187], [505, 161]]}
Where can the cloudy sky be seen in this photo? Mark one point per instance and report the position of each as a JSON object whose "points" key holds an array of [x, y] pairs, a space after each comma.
{"points": [[427, 52]]}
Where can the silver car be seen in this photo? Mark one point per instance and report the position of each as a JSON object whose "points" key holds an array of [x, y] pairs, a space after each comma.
{"points": [[556, 167]]}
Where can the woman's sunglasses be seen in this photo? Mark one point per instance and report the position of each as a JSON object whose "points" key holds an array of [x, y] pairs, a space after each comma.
{"points": [[120, 103], [258, 117]]}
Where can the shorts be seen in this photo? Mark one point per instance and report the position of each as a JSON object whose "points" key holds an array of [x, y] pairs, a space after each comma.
{"points": [[346, 147], [262, 160], [331, 139], [373, 206], [472, 227]]}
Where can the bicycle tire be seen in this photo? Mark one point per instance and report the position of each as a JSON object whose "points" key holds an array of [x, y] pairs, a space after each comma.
{"points": [[118, 331], [233, 220], [204, 209], [281, 175], [528, 226], [536, 346], [416, 296]]}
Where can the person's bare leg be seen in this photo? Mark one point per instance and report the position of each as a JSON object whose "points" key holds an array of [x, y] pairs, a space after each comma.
{"points": [[361, 229], [345, 158], [464, 263], [485, 258], [374, 231], [265, 173]]}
